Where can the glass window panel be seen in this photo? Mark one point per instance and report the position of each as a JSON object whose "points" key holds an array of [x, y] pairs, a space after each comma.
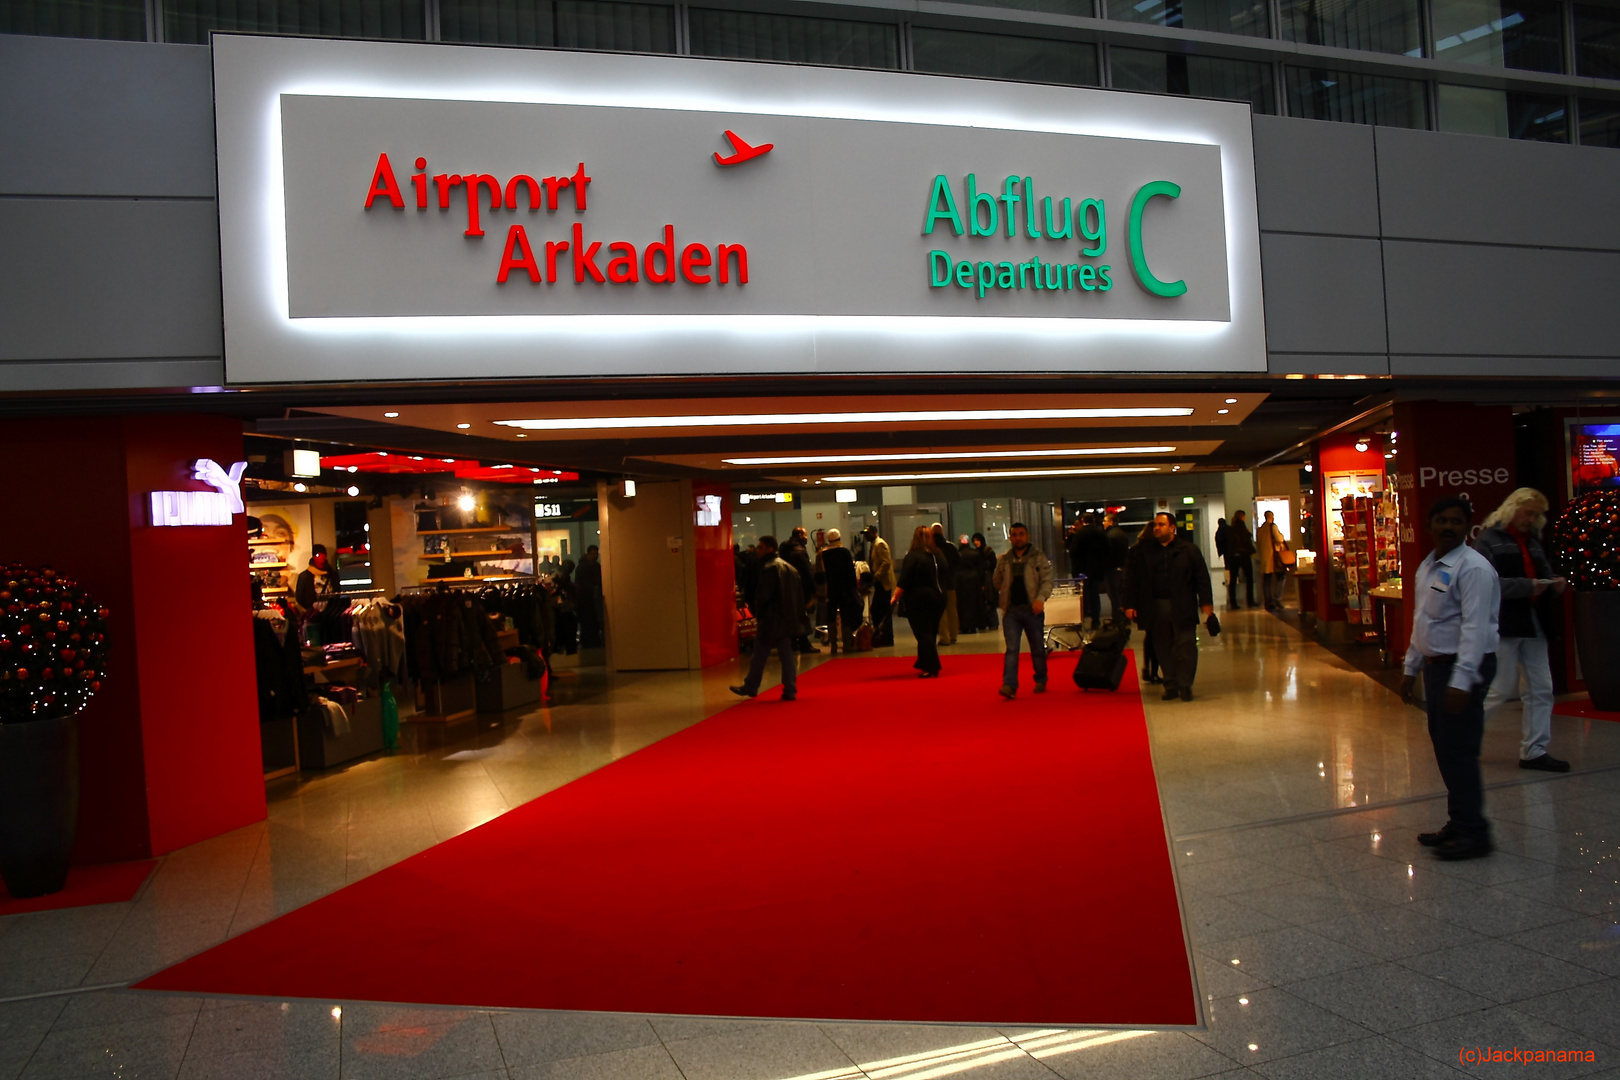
{"points": [[1600, 122], [1597, 42], [1499, 33], [1084, 8], [603, 24], [190, 20], [1354, 98], [1387, 26], [498, 22], [748, 36], [994, 56], [1197, 76], [124, 20], [1225, 16], [1474, 110]]}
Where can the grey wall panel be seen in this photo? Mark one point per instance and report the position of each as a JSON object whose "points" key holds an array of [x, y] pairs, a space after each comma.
{"points": [[1503, 366], [105, 118], [1473, 300], [36, 376], [1324, 294], [108, 279], [1315, 177], [1497, 191]]}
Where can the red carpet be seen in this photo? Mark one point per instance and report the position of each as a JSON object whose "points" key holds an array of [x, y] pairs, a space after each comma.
{"points": [[109, 883], [1583, 708], [886, 848]]}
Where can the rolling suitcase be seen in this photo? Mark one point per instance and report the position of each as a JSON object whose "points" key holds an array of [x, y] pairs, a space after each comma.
{"points": [[1102, 665]]}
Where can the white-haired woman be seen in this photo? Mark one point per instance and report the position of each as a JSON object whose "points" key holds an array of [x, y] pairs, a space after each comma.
{"points": [[1511, 540]]}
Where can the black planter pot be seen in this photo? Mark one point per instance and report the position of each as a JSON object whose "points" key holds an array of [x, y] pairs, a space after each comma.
{"points": [[39, 803], [1597, 640]]}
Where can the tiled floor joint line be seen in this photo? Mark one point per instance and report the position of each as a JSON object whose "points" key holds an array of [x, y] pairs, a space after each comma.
{"points": [[1341, 811], [64, 992]]}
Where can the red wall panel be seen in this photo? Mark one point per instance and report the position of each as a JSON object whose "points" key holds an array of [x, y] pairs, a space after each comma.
{"points": [[169, 748]]}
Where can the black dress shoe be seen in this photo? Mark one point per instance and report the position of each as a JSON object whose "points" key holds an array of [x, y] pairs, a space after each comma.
{"points": [[1544, 762], [1435, 839], [1170, 694], [1464, 846], [740, 691], [1186, 694]]}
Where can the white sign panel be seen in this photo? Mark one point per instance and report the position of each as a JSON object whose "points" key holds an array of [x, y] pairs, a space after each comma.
{"points": [[409, 211]]}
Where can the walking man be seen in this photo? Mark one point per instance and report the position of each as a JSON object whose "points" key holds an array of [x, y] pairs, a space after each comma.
{"points": [[796, 553], [1454, 639], [951, 624], [1511, 540], [1119, 547], [1239, 559], [1167, 586], [1090, 557], [1023, 582], [881, 560], [1271, 546], [778, 606]]}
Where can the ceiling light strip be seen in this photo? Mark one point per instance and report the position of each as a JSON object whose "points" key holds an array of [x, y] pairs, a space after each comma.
{"points": [[964, 455], [586, 423], [994, 475]]}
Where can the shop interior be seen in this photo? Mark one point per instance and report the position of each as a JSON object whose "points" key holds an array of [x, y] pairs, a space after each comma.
{"points": [[458, 572]]}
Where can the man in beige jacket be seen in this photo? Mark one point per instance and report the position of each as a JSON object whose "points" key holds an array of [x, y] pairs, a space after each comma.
{"points": [[881, 561]]}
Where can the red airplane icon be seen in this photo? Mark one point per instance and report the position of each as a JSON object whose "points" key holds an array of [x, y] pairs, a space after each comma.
{"points": [[744, 152]]}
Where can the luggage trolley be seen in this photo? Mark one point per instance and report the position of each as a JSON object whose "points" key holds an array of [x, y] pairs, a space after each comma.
{"points": [[1065, 616]]}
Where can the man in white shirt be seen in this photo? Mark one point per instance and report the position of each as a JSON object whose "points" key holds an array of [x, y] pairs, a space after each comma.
{"points": [[1456, 596]]}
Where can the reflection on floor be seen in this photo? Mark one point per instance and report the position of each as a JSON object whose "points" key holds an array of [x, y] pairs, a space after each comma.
{"points": [[1327, 944]]}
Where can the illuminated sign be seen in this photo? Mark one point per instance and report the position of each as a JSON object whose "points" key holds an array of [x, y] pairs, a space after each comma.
{"points": [[614, 222], [770, 496], [202, 507]]}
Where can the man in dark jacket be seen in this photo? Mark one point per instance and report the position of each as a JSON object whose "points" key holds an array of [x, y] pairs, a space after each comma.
{"points": [[1528, 614], [1119, 546], [1090, 555], [843, 589], [951, 624], [797, 555], [1166, 587], [1239, 556], [778, 606]]}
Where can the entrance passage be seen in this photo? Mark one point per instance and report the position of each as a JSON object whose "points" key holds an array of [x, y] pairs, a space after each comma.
{"points": [[885, 848]]}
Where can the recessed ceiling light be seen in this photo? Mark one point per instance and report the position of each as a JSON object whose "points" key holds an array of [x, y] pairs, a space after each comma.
{"points": [[521, 435], [1231, 401], [300, 487], [390, 414], [963, 455], [992, 475], [463, 426], [585, 423], [1223, 412]]}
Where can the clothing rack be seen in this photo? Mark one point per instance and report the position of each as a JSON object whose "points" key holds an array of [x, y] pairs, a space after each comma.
{"points": [[468, 583]]}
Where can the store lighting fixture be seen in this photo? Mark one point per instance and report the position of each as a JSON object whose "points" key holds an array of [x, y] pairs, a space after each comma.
{"points": [[354, 468], [1361, 447], [1223, 412], [992, 475], [302, 462], [1231, 401], [463, 427], [954, 455], [300, 488], [587, 423], [390, 415], [1309, 467], [353, 491], [467, 503]]}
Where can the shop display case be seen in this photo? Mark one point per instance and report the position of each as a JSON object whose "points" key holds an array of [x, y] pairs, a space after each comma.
{"points": [[1369, 551], [268, 563], [1333, 574]]}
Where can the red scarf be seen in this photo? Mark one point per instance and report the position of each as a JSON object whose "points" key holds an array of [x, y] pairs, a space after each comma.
{"points": [[1524, 549]]}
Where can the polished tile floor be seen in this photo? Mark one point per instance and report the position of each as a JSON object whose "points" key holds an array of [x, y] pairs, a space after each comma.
{"points": [[1326, 943]]}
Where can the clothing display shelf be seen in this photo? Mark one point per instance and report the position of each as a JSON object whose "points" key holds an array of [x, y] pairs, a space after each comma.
{"points": [[439, 548], [271, 575]]}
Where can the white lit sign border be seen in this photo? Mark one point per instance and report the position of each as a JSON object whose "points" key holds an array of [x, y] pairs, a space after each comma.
{"points": [[738, 91]]}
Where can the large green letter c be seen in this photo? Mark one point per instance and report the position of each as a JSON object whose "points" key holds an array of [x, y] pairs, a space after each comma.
{"points": [[1139, 262]]}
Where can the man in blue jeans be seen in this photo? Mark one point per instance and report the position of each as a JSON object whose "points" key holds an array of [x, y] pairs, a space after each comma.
{"points": [[1024, 579]]}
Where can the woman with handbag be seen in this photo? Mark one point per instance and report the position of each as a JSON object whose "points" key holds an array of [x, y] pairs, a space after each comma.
{"points": [[920, 593], [1275, 557]]}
